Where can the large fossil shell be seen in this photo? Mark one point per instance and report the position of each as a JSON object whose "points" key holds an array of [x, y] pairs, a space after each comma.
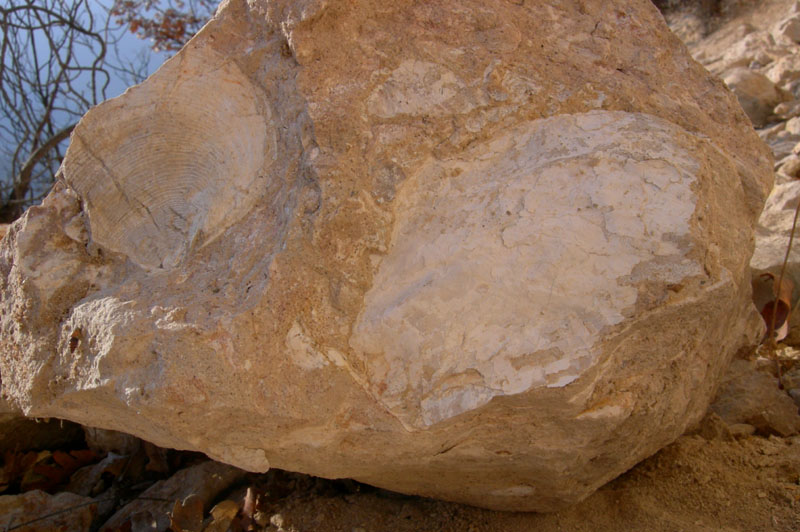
{"points": [[173, 164]]}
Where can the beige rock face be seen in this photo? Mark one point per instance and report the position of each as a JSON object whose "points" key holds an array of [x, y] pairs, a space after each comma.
{"points": [[490, 252]]}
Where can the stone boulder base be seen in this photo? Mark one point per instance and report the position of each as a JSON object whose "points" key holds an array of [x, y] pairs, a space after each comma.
{"points": [[493, 252]]}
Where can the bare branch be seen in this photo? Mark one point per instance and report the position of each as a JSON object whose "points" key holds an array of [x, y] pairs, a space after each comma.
{"points": [[57, 59], [13, 205]]}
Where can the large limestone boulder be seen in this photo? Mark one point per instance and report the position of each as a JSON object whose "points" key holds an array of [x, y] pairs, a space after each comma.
{"points": [[494, 252]]}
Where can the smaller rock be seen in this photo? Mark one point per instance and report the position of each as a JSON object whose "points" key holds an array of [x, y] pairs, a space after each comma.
{"points": [[784, 71], [793, 126], [790, 166], [783, 145], [757, 95], [741, 430], [16, 510], [787, 110], [748, 46], [261, 518], [276, 520], [770, 133], [753, 397], [712, 427], [787, 30]]}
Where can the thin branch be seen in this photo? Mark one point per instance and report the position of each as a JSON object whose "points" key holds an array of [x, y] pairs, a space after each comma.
{"points": [[11, 209], [58, 58]]}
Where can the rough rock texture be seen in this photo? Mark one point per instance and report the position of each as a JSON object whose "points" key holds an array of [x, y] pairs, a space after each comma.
{"points": [[490, 252], [754, 397]]}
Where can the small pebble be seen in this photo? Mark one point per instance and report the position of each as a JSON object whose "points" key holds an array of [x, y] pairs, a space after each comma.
{"points": [[741, 430]]}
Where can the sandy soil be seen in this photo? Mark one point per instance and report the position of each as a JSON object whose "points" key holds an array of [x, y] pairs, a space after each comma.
{"points": [[748, 484]]}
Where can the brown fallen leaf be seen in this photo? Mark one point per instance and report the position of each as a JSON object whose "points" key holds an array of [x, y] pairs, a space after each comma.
{"points": [[223, 515], [15, 467], [56, 469], [777, 310], [187, 515]]}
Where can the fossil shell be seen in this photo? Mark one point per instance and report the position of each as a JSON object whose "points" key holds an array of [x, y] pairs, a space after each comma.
{"points": [[161, 175]]}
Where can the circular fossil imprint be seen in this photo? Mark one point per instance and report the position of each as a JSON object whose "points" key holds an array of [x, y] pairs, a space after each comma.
{"points": [[172, 163]]}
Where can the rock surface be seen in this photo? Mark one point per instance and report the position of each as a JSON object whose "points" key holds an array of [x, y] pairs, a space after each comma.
{"points": [[754, 397], [427, 246]]}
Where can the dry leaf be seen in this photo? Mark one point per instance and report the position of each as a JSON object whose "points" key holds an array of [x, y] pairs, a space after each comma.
{"points": [[16, 466], [187, 516], [780, 306], [56, 469], [223, 515]]}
